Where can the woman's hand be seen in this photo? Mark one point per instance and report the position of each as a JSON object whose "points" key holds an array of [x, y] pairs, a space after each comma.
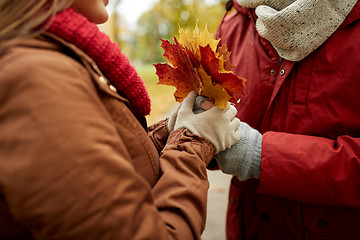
{"points": [[220, 127]]}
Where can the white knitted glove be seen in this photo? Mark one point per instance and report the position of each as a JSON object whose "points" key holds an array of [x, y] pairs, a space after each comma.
{"points": [[196, 109], [172, 118], [220, 127]]}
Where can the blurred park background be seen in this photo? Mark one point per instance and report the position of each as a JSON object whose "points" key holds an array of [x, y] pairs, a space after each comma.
{"points": [[136, 26]]}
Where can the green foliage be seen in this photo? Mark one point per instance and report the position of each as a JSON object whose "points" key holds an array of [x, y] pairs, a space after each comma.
{"points": [[162, 98], [165, 18]]}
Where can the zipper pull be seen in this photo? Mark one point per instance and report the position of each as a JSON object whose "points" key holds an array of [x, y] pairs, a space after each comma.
{"points": [[229, 5]]}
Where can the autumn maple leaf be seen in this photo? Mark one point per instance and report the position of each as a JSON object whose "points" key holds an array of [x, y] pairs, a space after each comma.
{"points": [[199, 64], [199, 39], [231, 83], [181, 74]]}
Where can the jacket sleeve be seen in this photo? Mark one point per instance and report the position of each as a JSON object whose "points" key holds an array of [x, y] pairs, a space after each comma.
{"points": [[178, 185], [65, 172], [302, 168]]}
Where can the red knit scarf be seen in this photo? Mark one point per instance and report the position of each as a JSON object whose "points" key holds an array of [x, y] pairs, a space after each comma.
{"points": [[76, 29]]}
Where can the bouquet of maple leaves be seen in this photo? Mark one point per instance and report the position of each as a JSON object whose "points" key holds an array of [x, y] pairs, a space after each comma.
{"points": [[199, 64]]}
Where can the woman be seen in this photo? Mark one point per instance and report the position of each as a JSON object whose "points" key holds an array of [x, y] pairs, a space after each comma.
{"points": [[75, 160]]}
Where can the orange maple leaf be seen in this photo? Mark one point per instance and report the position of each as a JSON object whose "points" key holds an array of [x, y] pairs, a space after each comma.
{"points": [[199, 64], [227, 79], [224, 57]]}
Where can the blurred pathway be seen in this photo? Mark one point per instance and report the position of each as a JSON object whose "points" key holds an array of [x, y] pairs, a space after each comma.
{"points": [[217, 206]]}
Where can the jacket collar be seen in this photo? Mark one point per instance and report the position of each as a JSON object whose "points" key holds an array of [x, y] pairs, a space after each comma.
{"points": [[353, 16]]}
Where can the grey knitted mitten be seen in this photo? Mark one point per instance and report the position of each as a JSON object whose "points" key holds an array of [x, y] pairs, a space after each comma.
{"points": [[243, 159]]}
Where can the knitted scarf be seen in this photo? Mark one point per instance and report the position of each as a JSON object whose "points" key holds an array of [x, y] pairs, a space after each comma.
{"points": [[296, 28], [76, 29]]}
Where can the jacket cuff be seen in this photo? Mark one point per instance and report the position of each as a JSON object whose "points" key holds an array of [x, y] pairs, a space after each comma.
{"points": [[159, 133], [186, 141]]}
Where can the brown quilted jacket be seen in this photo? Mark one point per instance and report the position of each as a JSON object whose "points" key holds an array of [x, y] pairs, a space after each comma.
{"points": [[76, 164]]}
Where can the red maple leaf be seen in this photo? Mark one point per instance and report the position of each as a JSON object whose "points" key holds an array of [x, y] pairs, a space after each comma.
{"points": [[181, 74]]}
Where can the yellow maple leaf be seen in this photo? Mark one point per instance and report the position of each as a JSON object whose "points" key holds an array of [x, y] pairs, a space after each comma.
{"points": [[198, 38], [214, 92]]}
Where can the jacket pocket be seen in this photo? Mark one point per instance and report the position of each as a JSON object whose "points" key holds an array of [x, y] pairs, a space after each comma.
{"points": [[331, 223]]}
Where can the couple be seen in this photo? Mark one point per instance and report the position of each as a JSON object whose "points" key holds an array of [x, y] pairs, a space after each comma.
{"points": [[77, 160]]}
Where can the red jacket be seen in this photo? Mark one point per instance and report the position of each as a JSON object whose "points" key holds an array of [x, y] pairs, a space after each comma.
{"points": [[309, 114]]}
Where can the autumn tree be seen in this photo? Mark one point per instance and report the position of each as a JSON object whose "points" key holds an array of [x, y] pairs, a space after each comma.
{"points": [[164, 19]]}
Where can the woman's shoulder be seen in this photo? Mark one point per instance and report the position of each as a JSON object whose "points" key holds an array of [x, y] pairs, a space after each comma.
{"points": [[36, 60], [29, 54]]}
